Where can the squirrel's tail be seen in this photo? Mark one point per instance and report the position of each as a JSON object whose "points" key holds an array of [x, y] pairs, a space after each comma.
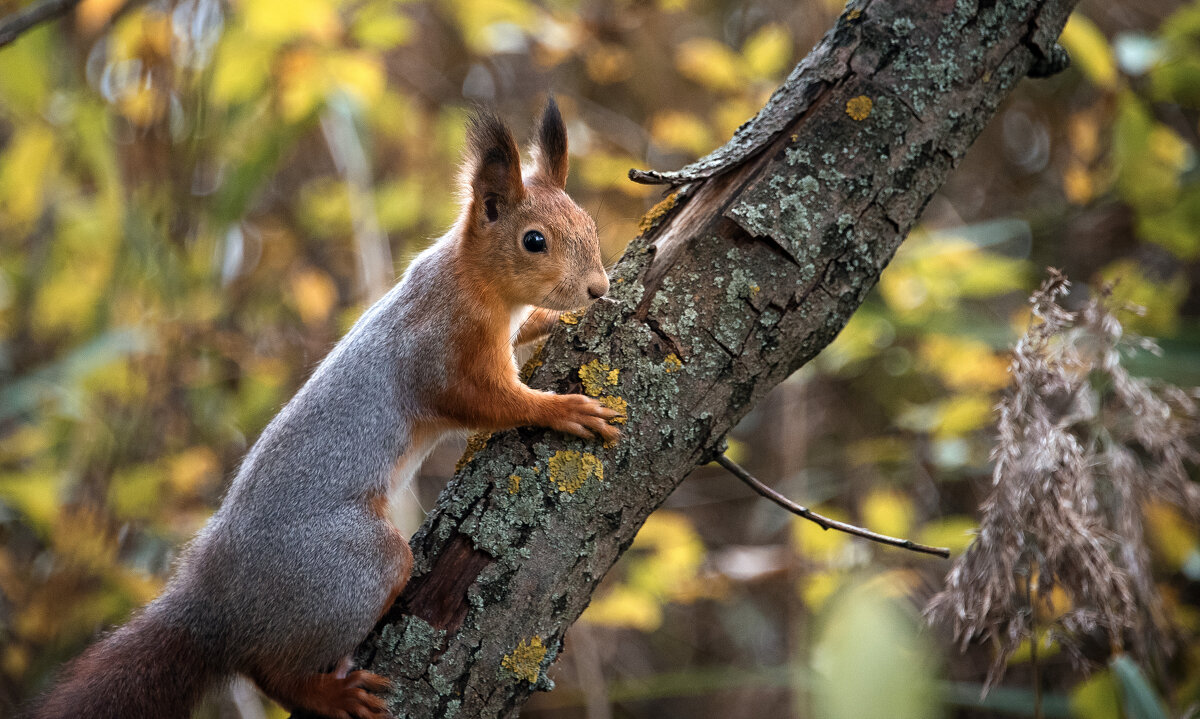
{"points": [[145, 669]]}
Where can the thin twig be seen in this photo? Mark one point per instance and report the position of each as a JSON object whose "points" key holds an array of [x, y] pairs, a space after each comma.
{"points": [[821, 520], [14, 25]]}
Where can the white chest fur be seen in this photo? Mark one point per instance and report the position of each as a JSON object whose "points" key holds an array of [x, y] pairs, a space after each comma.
{"points": [[517, 319]]}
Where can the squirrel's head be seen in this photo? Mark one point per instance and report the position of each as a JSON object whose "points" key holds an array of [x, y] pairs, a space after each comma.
{"points": [[522, 228]]}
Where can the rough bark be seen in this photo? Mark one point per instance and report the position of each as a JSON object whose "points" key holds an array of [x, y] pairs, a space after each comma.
{"points": [[751, 266]]}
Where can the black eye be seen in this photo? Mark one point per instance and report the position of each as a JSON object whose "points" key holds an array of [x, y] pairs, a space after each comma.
{"points": [[534, 241]]}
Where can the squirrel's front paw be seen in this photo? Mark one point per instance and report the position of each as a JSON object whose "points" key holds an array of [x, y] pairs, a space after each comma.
{"points": [[584, 417]]}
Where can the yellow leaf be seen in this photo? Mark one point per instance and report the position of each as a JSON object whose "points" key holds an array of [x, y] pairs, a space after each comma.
{"points": [[710, 63], [136, 491], [816, 588], [241, 68], [142, 104], [283, 20], [26, 168], [676, 554], [608, 63], [193, 470], [495, 25], [34, 494], [963, 414], [398, 203], [768, 51], [603, 171], [1024, 651], [624, 607], [880, 450], [379, 25], [91, 15], [1089, 49], [956, 532], [1173, 537], [1083, 132], [964, 364], [819, 545], [302, 83], [683, 131], [731, 113], [1160, 299], [887, 512], [1077, 184], [357, 73], [1096, 698], [314, 294]]}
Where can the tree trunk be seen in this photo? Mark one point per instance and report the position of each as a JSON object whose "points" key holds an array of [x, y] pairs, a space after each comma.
{"points": [[748, 269]]}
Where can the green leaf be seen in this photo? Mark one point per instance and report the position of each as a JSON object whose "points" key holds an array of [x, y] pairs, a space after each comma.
{"points": [[1141, 701]]}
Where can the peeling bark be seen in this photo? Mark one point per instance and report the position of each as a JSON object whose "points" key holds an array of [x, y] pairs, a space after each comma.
{"points": [[753, 264]]}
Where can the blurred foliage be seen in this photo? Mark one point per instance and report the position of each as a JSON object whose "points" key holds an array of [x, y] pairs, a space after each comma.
{"points": [[198, 197]]}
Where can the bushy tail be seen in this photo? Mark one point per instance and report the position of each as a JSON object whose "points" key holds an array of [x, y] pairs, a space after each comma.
{"points": [[147, 669]]}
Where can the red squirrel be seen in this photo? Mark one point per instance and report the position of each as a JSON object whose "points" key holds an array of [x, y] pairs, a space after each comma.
{"points": [[300, 561]]}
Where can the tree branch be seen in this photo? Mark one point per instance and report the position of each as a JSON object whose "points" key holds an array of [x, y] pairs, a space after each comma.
{"points": [[742, 275], [821, 520], [16, 24]]}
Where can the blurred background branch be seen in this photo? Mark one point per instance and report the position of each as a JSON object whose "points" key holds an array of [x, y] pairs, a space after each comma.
{"points": [[820, 520], [12, 26]]}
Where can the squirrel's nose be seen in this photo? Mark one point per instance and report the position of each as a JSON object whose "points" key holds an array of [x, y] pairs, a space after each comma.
{"points": [[596, 290]]}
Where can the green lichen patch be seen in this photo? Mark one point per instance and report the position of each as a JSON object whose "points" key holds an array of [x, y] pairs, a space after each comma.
{"points": [[569, 469], [617, 404], [596, 375], [526, 660], [475, 443], [672, 363]]}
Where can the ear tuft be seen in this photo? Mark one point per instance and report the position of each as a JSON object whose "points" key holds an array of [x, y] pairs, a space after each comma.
{"points": [[550, 146], [493, 163]]}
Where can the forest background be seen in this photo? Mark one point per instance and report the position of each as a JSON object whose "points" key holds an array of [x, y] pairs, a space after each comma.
{"points": [[198, 198]]}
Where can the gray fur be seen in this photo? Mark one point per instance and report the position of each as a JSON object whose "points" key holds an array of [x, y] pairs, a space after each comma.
{"points": [[292, 557]]}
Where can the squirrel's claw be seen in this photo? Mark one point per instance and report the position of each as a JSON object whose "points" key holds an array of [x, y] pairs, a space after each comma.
{"points": [[585, 417]]}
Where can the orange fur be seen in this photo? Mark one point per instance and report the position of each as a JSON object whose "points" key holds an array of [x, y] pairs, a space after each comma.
{"points": [[338, 694]]}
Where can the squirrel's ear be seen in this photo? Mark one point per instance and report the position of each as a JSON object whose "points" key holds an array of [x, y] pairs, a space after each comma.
{"points": [[493, 169], [550, 146]]}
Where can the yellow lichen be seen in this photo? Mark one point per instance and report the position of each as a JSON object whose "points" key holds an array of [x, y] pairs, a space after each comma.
{"points": [[619, 405], [526, 660], [596, 375], [655, 214], [853, 14], [672, 363], [514, 483], [569, 469], [475, 443], [534, 361], [572, 317], [859, 108], [987, 76]]}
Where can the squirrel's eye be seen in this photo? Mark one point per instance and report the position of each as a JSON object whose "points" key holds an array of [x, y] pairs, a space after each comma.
{"points": [[534, 241]]}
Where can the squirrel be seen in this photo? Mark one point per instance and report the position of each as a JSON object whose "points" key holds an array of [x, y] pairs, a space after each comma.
{"points": [[300, 561]]}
